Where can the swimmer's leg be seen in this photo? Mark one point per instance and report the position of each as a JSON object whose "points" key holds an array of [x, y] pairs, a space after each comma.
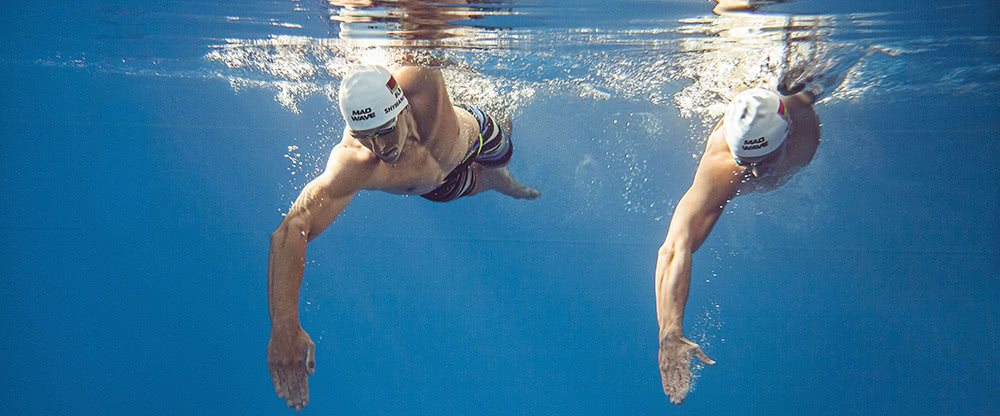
{"points": [[499, 178], [502, 181]]}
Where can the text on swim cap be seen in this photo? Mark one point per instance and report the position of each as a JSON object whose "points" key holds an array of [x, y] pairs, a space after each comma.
{"points": [[757, 143], [394, 105], [361, 115]]}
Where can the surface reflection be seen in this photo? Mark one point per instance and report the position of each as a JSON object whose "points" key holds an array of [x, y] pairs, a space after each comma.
{"points": [[746, 48], [736, 6], [417, 23]]}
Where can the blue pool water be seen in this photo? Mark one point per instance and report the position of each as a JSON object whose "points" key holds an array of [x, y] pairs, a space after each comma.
{"points": [[149, 150]]}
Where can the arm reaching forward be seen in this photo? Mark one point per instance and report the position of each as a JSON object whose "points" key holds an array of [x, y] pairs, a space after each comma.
{"points": [[716, 182], [290, 351]]}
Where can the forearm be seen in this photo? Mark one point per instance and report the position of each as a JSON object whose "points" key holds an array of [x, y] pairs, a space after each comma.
{"points": [[715, 183], [286, 266], [673, 280], [311, 213]]}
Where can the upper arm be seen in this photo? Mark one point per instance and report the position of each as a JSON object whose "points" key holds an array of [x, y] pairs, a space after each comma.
{"points": [[419, 77], [716, 182], [806, 97], [323, 198]]}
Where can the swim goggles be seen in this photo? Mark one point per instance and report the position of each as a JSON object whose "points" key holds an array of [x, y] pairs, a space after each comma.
{"points": [[380, 132]]}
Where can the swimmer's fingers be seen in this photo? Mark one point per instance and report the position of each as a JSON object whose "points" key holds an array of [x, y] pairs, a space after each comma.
{"points": [[311, 359], [702, 357], [298, 398], [303, 397], [291, 398], [278, 385], [296, 377], [291, 385]]}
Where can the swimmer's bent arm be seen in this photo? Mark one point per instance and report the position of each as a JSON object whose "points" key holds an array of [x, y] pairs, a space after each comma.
{"points": [[290, 350], [716, 182]]}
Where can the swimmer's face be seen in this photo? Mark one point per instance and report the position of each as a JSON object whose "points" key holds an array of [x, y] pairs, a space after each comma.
{"points": [[385, 141]]}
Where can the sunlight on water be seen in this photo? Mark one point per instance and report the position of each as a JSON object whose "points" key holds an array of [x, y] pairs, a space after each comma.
{"points": [[712, 56], [496, 55], [690, 66]]}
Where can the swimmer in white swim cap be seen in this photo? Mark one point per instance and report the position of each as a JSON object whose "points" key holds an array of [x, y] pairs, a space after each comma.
{"points": [[762, 140], [756, 126], [404, 136]]}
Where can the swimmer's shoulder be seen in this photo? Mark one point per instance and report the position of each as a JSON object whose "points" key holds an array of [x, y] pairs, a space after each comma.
{"points": [[717, 141], [805, 131], [352, 161]]}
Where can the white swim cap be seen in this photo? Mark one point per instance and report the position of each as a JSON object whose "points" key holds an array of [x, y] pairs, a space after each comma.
{"points": [[755, 124], [370, 97]]}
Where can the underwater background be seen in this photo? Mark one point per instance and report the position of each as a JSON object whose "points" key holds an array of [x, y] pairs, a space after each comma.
{"points": [[149, 150]]}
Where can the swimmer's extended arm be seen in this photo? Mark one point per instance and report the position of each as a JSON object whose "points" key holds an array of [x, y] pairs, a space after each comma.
{"points": [[290, 356], [716, 182], [317, 206]]}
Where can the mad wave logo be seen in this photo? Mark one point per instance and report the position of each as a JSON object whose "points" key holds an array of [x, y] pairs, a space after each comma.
{"points": [[393, 86], [361, 115], [757, 143]]}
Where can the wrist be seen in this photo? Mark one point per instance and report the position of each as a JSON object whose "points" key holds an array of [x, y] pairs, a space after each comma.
{"points": [[280, 323], [671, 332]]}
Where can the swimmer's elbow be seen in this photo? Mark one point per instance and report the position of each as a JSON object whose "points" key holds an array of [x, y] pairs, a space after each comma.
{"points": [[665, 254], [675, 244], [295, 224]]}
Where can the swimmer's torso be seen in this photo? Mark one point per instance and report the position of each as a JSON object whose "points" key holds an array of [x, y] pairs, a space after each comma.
{"points": [[436, 142]]}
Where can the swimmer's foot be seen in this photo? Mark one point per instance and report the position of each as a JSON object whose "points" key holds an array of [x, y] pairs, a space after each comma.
{"points": [[522, 191], [511, 187], [502, 181]]}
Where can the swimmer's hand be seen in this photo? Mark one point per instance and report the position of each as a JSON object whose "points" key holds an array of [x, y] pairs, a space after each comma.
{"points": [[291, 357], [675, 365]]}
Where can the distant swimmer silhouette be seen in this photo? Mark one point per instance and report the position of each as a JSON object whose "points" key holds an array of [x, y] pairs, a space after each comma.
{"points": [[403, 136], [740, 6], [762, 140]]}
